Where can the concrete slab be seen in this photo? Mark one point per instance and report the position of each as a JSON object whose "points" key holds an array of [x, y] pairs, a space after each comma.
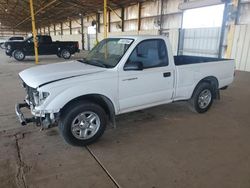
{"points": [[8, 161], [30, 158], [53, 163], [169, 146]]}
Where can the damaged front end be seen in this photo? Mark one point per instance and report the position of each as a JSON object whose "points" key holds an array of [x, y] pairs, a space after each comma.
{"points": [[33, 99]]}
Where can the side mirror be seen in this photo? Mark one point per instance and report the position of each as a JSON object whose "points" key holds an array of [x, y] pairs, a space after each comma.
{"points": [[136, 66]]}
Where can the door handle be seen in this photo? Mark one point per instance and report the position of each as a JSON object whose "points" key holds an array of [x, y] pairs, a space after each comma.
{"points": [[129, 79], [166, 74]]}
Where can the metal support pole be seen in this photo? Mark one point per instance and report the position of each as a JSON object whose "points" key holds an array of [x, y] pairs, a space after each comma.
{"points": [[98, 22], [223, 30], [231, 31], [112, 10], [82, 32], [139, 18], [161, 16], [70, 27], [54, 28], [34, 30], [181, 41], [109, 19], [61, 26], [122, 18], [105, 18], [96, 29]]}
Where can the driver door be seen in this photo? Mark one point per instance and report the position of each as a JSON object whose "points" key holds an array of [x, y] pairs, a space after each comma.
{"points": [[29, 47], [152, 85]]}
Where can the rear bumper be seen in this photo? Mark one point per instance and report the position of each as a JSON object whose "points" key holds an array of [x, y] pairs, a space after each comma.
{"points": [[23, 121], [73, 51]]}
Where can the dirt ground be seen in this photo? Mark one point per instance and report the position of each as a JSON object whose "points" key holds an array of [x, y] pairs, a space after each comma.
{"points": [[166, 146]]}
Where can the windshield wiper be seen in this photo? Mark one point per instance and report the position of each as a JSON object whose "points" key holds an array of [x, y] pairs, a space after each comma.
{"points": [[93, 62], [97, 63]]}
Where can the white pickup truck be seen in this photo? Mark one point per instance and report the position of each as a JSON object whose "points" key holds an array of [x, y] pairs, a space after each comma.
{"points": [[120, 75]]}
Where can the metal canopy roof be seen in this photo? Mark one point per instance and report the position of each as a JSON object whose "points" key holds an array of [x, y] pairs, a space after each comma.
{"points": [[15, 14]]}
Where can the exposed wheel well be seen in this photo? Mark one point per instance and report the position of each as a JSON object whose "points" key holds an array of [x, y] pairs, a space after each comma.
{"points": [[101, 100], [65, 48], [214, 82]]}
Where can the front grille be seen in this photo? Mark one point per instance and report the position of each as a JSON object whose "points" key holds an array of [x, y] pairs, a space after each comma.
{"points": [[30, 95]]}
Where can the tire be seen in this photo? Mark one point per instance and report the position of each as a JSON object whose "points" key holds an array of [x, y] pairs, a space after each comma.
{"points": [[65, 54], [202, 98], [59, 55], [18, 55], [75, 123]]}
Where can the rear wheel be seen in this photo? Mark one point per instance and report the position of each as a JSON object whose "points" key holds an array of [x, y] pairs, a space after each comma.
{"points": [[65, 54], [18, 55], [202, 98], [82, 123]]}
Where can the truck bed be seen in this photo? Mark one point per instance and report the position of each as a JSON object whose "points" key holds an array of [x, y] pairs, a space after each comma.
{"points": [[186, 60], [194, 69]]}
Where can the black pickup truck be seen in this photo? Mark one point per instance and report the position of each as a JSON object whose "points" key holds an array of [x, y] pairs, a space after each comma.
{"points": [[20, 49]]}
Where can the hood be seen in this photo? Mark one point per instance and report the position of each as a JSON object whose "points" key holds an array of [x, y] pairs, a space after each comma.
{"points": [[44, 74], [14, 43]]}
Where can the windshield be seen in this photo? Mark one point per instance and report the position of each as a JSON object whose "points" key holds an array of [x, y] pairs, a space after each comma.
{"points": [[29, 38], [108, 52]]}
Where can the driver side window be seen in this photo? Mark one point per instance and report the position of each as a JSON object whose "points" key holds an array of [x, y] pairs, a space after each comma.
{"points": [[151, 53], [31, 40]]}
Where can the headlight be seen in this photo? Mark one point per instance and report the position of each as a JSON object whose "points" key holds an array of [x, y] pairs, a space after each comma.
{"points": [[39, 97], [8, 47]]}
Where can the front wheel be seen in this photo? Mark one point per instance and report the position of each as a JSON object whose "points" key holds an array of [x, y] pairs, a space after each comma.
{"points": [[202, 98], [59, 55], [82, 123], [65, 54], [18, 55]]}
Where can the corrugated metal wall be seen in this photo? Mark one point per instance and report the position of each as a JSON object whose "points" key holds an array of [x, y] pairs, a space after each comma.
{"points": [[200, 41], [149, 18], [203, 42], [241, 47], [173, 36]]}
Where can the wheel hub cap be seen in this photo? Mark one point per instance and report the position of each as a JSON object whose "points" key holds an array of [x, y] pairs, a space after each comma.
{"points": [[204, 98], [85, 125], [20, 55], [66, 54]]}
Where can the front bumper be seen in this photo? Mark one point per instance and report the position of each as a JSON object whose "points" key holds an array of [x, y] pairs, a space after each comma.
{"points": [[24, 121], [47, 121], [8, 52]]}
